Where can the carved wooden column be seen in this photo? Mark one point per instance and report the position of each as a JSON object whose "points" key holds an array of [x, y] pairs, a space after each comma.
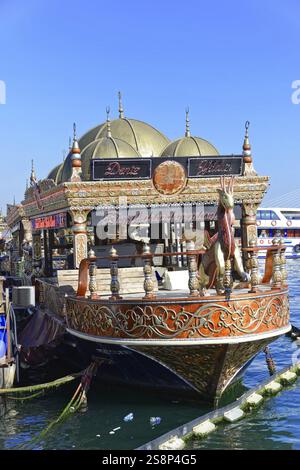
{"points": [[192, 266], [27, 230], [228, 277], [277, 277], [248, 229], [148, 283], [36, 253], [253, 263], [42, 298], [93, 276], [114, 284], [80, 241], [283, 270]]}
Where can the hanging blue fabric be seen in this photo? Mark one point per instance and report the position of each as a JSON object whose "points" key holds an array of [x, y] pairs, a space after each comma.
{"points": [[3, 336]]}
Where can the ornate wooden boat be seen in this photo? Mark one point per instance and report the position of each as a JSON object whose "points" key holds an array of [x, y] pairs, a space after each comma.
{"points": [[205, 340], [203, 332]]}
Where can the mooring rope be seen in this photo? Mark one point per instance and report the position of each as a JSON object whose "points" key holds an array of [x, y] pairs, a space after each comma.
{"points": [[33, 388], [270, 361], [27, 397], [77, 400]]}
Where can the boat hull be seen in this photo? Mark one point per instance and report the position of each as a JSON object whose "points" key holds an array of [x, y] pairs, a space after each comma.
{"points": [[205, 343]]}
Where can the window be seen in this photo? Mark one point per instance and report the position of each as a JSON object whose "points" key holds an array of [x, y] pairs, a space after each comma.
{"points": [[291, 215], [266, 215]]}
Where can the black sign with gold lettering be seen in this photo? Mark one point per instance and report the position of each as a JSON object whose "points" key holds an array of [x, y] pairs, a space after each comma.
{"points": [[142, 168], [121, 169], [218, 166]]}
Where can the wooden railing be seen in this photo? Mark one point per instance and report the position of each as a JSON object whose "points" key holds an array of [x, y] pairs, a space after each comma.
{"points": [[275, 266], [88, 269], [275, 270]]}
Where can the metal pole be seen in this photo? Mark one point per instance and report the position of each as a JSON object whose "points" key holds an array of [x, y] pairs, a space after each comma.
{"points": [[8, 338]]}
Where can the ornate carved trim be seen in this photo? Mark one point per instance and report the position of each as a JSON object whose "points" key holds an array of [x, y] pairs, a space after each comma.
{"points": [[209, 320]]}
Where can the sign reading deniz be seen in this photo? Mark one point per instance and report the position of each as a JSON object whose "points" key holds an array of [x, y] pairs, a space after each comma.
{"points": [[143, 168], [50, 221], [121, 169]]}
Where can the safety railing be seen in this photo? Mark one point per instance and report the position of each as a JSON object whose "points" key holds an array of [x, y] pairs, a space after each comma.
{"points": [[275, 273], [88, 270]]}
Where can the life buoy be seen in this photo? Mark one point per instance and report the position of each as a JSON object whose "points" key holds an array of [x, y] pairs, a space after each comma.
{"points": [[261, 242], [273, 223], [296, 248], [289, 223]]}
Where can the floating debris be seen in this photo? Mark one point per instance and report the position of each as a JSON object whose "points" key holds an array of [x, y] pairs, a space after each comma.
{"points": [[155, 420], [128, 417]]}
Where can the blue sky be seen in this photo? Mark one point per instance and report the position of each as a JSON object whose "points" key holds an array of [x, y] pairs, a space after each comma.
{"points": [[65, 60]]}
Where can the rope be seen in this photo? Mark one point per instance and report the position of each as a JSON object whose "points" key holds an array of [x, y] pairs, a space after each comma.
{"points": [[270, 362], [77, 400], [33, 388], [28, 397]]}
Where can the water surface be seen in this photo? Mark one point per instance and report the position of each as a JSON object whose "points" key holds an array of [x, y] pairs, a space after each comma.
{"points": [[275, 425]]}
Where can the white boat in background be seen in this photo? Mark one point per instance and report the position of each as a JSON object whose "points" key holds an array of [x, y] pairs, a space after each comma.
{"points": [[279, 222]]}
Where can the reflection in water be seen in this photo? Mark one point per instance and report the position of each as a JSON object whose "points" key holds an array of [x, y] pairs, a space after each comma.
{"points": [[276, 425]]}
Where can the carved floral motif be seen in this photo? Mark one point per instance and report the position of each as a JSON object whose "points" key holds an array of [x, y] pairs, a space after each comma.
{"points": [[210, 320]]}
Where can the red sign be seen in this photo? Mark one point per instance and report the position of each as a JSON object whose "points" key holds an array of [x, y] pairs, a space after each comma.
{"points": [[50, 221]]}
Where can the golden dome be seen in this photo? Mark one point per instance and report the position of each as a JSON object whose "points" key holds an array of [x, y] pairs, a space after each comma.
{"points": [[66, 170], [189, 146], [105, 147], [144, 138], [55, 173]]}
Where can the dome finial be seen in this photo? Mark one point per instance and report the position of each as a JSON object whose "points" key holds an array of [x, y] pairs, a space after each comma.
{"points": [[74, 131], [32, 175], [247, 154], [75, 147], [246, 144], [187, 122], [75, 158], [121, 110], [108, 121]]}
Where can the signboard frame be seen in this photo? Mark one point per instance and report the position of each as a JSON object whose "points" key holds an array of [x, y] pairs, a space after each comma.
{"points": [[43, 222], [122, 161], [191, 160]]}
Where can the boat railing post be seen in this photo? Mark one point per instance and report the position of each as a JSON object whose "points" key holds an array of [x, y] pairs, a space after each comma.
{"points": [[277, 276], [228, 277], [192, 267], [93, 274], [148, 282], [284, 274], [42, 296], [114, 284], [253, 264]]}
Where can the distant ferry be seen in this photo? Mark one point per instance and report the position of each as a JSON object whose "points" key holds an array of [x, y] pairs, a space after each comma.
{"points": [[279, 222]]}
